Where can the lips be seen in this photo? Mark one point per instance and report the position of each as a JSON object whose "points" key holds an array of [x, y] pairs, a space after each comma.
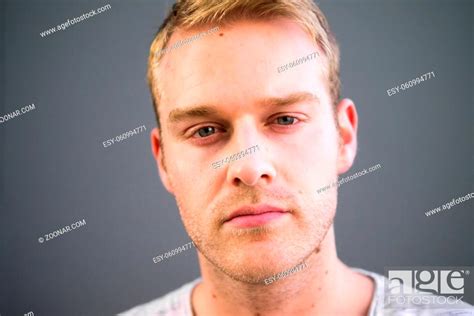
{"points": [[255, 210]]}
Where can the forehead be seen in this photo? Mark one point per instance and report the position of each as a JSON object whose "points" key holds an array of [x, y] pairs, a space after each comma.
{"points": [[238, 64]]}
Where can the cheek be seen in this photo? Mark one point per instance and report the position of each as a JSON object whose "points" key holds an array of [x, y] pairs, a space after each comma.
{"points": [[186, 172], [320, 150], [192, 192], [328, 140], [188, 192], [188, 211]]}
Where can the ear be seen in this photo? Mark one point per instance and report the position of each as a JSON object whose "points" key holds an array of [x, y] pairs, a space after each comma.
{"points": [[157, 149], [348, 121]]}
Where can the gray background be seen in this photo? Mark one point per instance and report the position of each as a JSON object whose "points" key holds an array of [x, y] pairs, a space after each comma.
{"points": [[88, 85]]}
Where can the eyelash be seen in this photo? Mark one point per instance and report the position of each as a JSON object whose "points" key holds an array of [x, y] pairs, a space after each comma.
{"points": [[296, 121]]}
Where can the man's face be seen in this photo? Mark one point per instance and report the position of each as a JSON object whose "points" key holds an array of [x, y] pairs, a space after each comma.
{"points": [[239, 101]]}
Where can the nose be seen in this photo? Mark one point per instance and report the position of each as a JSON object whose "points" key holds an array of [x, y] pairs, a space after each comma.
{"points": [[252, 165]]}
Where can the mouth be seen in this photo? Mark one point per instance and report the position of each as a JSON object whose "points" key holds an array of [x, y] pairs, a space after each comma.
{"points": [[255, 215]]}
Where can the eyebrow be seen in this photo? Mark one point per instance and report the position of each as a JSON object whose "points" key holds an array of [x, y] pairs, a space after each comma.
{"points": [[290, 99], [178, 115]]}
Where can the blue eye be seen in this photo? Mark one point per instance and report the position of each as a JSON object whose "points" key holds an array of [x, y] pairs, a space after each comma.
{"points": [[286, 120], [206, 131]]}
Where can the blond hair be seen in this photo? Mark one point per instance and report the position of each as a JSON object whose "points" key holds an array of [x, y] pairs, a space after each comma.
{"points": [[187, 14]]}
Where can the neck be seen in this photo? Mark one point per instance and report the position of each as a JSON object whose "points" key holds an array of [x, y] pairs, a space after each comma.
{"points": [[315, 289]]}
